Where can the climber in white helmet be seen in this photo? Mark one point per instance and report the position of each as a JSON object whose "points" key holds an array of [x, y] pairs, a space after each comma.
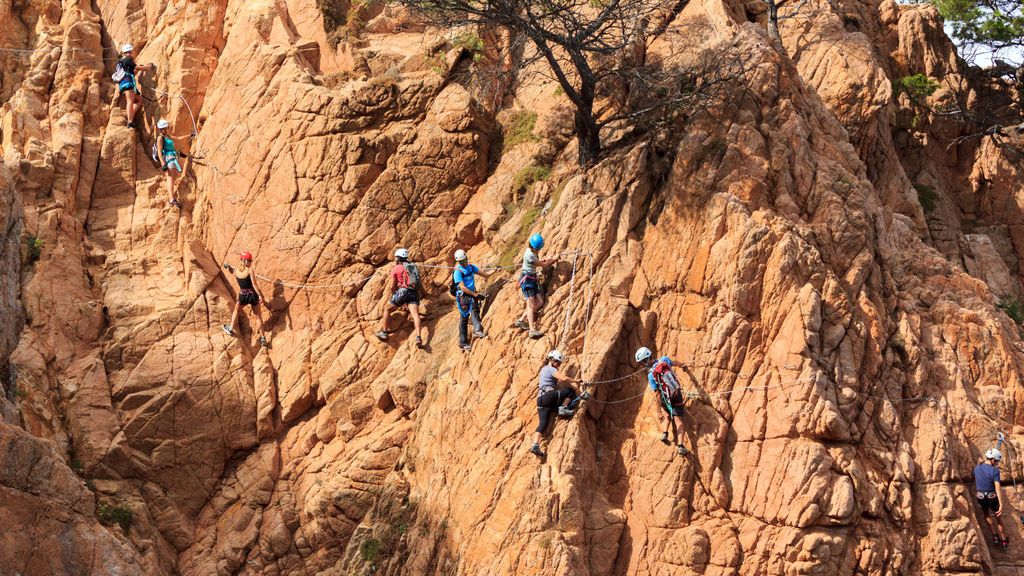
{"points": [[127, 81], [665, 385], [168, 157], [404, 288], [467, 298], [989, 494], [550, 397]]}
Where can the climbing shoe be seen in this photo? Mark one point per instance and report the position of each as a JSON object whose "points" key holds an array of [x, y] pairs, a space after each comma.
{"points": [[479, 334], [465, 347], [682, 451], [382, 336], [535, 450], [996, 540], [664, 438], [536, 334], [227, 330], [175, 203], [1005, 544], [263, 342], [521, 324], [419, 342], [131, 124], [565, 411]]}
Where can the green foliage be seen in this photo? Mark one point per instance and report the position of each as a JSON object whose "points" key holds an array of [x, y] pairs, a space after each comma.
{"points": [[918, 87], [369, 549], [20, 393], [109, 514], [35, 249], [992, 24], [515, 243], [1013, 308], [518, 128], [897, 343], [926, 196], [471, 43], [559, 91], [526, 177]]}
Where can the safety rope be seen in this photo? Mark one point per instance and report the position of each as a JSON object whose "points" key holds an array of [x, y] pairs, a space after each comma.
{"points": [[312, 286], [569, 304]]}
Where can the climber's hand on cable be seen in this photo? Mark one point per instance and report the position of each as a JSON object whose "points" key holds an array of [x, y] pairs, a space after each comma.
{"points": [[227, 266]]}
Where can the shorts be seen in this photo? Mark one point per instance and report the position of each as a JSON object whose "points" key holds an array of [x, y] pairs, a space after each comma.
{"points": [[127, 84], [988, 505], [172, 163], [404, 296], [529, 286], [248, 298], [676, 403]]}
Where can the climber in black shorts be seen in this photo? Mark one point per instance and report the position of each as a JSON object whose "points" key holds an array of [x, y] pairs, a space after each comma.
{"points": [[248, 295]]}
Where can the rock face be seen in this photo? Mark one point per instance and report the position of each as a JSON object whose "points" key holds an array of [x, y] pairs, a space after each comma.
{"points": [[827, 272]]}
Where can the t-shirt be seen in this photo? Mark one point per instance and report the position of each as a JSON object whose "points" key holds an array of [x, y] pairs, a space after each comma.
{"points": [[128, 65], [464, 275], [547, 379], [401, 275], [530, 260], [650, 373], [985, 477], [167, 147]]}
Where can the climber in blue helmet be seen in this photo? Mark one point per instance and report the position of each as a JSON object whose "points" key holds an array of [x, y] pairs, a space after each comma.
{"points": [[664, 384], [529, 284]]}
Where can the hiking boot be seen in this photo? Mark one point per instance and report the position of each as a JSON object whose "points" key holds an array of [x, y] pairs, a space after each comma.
{"points": [[565, 411], [996, 541], [682, 451], [419, 342], [521, 324], [263, 342], [536, 334], [479, 334], [1005, 544], [227, 330], [382, 336], [175, 203], [535, 450], [131, 124], [465, 347], [664, 438]]}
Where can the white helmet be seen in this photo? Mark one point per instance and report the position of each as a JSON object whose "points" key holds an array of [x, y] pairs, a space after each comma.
{"points": [[163, 124], [642, 354], [994, 454], [127, 48], [556, 356], [401, 253], [460, 255]]}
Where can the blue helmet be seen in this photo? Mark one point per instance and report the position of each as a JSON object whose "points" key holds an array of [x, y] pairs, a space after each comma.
{"points": [[536, 241]]}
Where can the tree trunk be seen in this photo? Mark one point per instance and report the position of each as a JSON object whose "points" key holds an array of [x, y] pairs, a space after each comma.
{"points": [[773, 21], [588, 133]]}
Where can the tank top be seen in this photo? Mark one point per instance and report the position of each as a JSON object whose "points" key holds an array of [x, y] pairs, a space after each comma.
{"points": [[245, 283], [547, 379]]}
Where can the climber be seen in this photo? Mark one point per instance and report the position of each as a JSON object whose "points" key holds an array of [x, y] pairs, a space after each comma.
{"points": [[550, 396], [664, 383], [127, 84], [530, 285], [404, 286], [248, 294], [467, 299], [168, 160], [989, 493]]}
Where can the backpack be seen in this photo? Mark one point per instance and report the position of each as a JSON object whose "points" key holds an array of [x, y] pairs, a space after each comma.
{"points": [[667, 383], [414, 275], [118, 74]]}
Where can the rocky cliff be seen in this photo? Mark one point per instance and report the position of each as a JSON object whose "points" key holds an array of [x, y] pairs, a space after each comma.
{"points": [[835, 276]]}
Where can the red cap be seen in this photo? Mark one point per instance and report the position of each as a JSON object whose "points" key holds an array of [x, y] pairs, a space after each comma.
{"points": [[246, 255]]}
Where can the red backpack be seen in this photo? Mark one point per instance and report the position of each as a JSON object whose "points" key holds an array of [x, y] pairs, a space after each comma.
{"points": [[666, 381]]}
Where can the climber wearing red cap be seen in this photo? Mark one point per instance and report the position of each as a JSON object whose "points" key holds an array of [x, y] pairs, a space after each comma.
{"points": [[127, 84], [248, 294], [404, 288]]}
